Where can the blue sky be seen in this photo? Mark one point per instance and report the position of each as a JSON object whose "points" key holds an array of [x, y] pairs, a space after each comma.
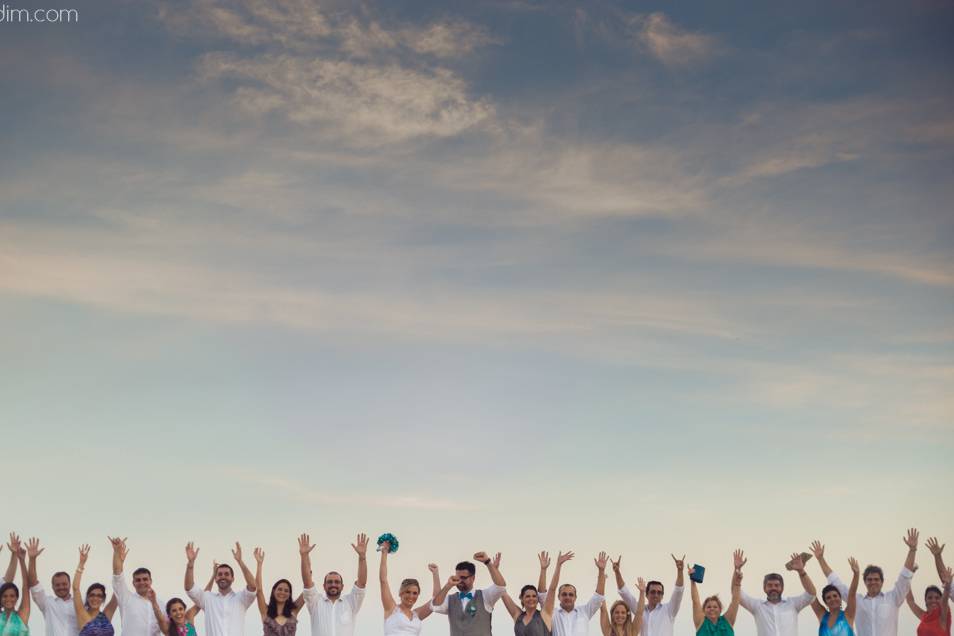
{"points": [[523, 274]]}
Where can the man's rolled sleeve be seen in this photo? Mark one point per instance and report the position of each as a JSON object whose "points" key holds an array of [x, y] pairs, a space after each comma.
{"points": [[802, 601], [629, 598], [491, 595], [675, 600], [197, 595], [593, 605], [38, 594]]}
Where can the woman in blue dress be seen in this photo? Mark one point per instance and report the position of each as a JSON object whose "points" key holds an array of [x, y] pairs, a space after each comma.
{"points": [[94, 617], [834, 621]]}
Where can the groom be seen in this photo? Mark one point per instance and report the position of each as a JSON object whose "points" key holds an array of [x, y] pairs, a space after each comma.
{"points": [[469, 612]]}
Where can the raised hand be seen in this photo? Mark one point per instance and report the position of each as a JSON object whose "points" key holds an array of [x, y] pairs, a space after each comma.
{"points": [[911, 540], [691, 571], [818, 549], [385, 547], [544, 558], [452, 580], [33, 548], [563, 558], [496, 561], [259, 555], [237, 552], [482, 557], [151, 595], [361, 544], [854, 565], [305, 546], [616, 563], [432, 567], [796, 562], [191, 552], [641, 585], [601, 561], [935, 547], [948, 577], [680, 563], [83, 554], [14, 544], [738, 559]]}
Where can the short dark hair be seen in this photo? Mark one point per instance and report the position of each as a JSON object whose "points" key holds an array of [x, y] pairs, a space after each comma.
{"points": [[932, 588], [466, 565], [873, 569], [60, 573], [524, 590], [9, 586], [773, 576], [652, 583], [829, 588], [142, 571], [560, 589], [226, 566], [338, 574]]}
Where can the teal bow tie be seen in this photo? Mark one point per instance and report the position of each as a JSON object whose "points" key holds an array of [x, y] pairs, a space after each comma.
{"points": [[468, 595]]}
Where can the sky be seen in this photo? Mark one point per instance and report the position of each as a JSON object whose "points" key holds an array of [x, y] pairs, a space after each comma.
{"points": [[655, 277]]}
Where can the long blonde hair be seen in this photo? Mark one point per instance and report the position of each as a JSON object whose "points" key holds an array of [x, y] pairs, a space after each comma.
{"points": [[629, 627]]}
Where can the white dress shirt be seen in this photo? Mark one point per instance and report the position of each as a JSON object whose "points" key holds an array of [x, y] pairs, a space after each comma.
{"points": [[59, 614], [490, 595], [333, 618], [659, 620], [776, 619], [577, 622], [224, 613], [136, 611], [878, 615]]}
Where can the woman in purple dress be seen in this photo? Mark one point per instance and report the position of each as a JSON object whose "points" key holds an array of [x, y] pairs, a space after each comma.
{"points": [[92, 617]]}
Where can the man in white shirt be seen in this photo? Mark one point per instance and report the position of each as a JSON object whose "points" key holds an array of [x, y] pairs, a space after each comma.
{"points": [[778, 616], [333, 614], [658, 617], [135, 608], [224, 607], [571, 619], [877, 611], [469, 612], [59, 613]]}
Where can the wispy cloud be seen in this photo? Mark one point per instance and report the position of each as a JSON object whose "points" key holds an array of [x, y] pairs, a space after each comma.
{"points": [[671, 44]]}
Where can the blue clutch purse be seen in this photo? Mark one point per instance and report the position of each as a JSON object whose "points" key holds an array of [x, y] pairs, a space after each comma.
{"points": [[698, 573]]}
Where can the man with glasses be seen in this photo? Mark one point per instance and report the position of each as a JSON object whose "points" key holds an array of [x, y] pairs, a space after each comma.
{"points": [[658, 617], [469, 612]]}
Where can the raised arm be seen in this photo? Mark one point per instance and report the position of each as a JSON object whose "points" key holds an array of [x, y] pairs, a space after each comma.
{"points": [[161, 617], [387, 601], [605, 625], [14, 547], [600, 562], [852, 591], [249, 577], [680, 564], [548, 604], [620, 581], [82, 616], [425, 610], [495, 574], [936, 550], [818, 550], [33, 551], [697, 614], [191, 553], [911, 540], [435, 579], [24, 610], [512, 608], [640, 606], [111, 606], [305, 546], [208, 585], [915, 609], [945, 607], [544, 558], [361, 549], [733, 611], [259, 555], [119, 553], [799, 566]]}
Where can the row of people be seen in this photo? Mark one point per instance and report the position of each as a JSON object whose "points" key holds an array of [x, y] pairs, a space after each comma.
{"points": [[468, 609]]}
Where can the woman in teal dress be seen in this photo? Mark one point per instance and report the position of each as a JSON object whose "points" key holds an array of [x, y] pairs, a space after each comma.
{"points": [[176, 620], [834, 621], [707, 615], [14, 620]]}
